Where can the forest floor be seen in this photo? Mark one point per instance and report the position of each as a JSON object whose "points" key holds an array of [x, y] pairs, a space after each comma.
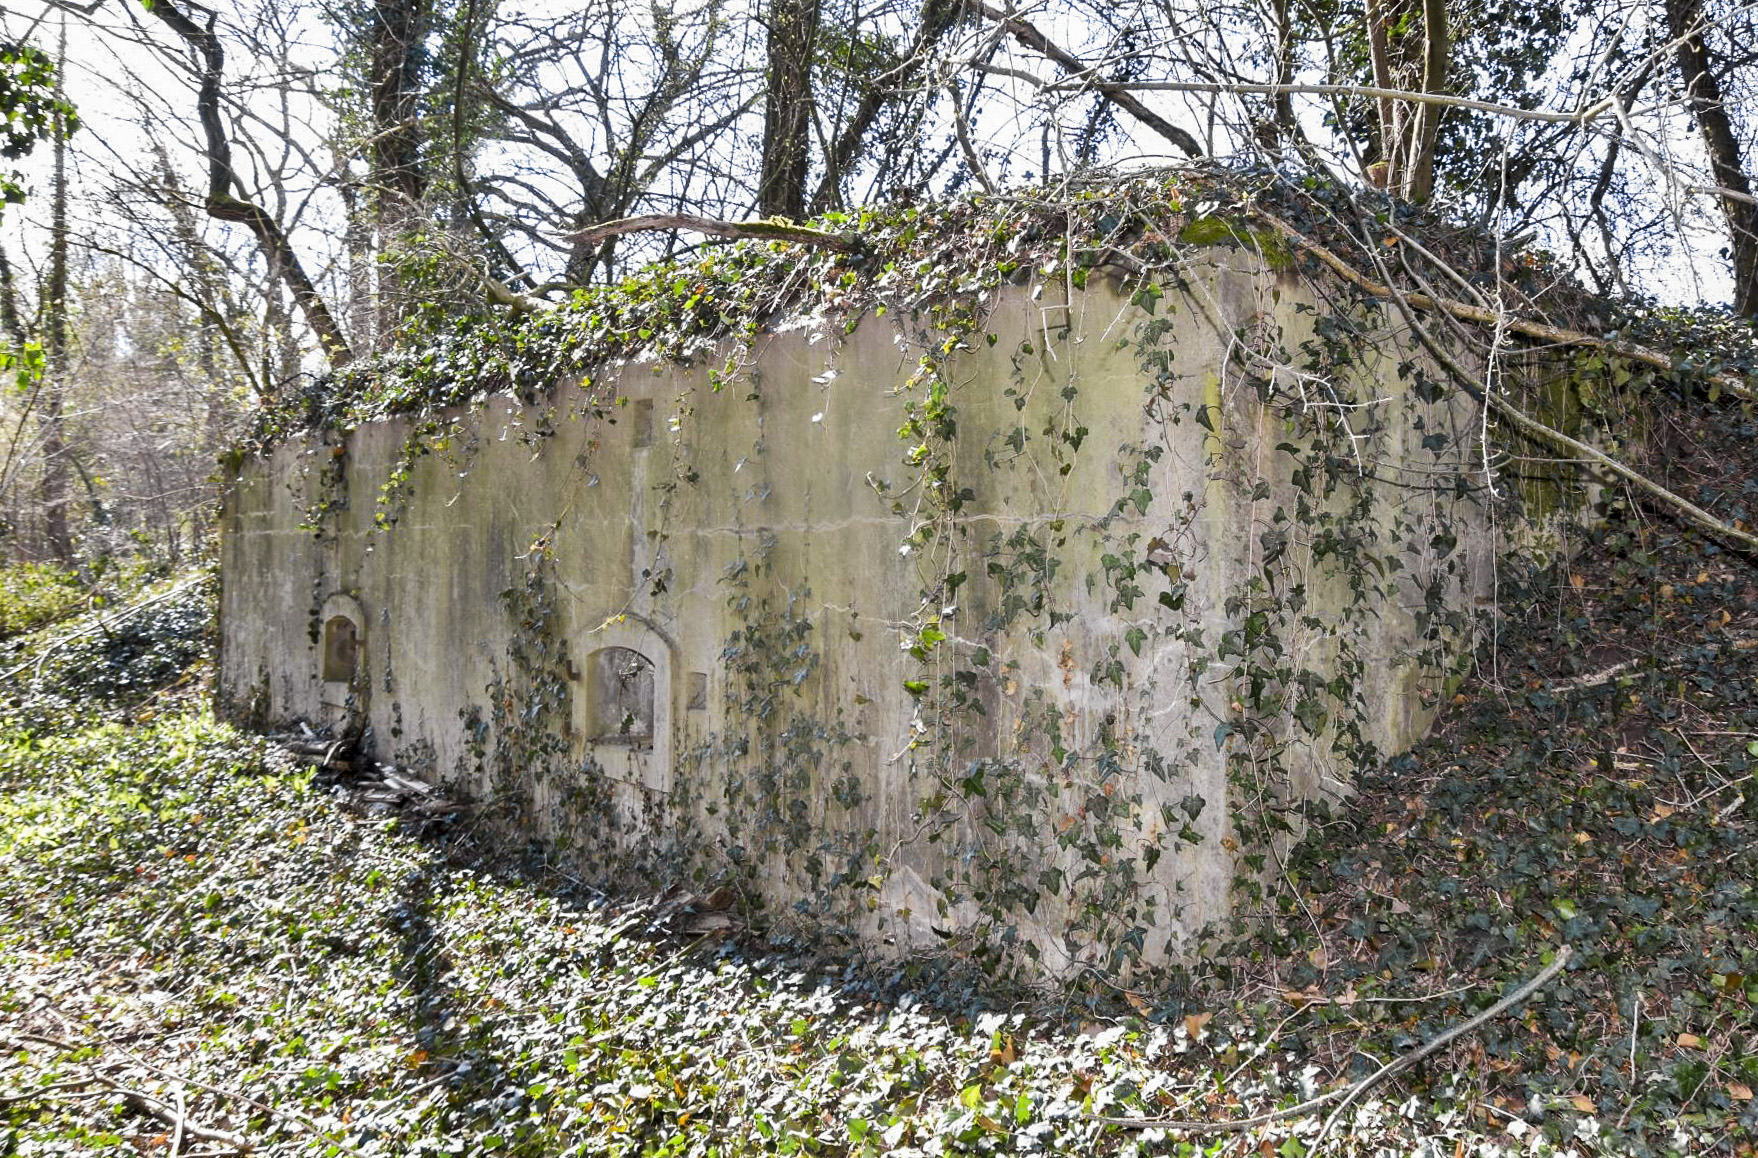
{"points": [[206, 948]]}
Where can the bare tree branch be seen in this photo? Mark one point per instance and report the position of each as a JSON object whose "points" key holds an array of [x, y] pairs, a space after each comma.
{"points": [[1118, 94], [1541, 331], [1581, 116], [223, 204], [758, 230]]}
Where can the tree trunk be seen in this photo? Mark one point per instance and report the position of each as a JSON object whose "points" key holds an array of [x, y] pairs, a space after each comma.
{"points": [[1281, 126], [1685, 25], [936, 17], [10, 323], [1408, 43], [787, 110], [357, 244], [52, 485], [397, 49], [223, 202]]}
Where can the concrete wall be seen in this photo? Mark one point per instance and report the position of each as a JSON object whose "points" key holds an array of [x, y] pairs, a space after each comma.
{"points": [[1208, 563]]}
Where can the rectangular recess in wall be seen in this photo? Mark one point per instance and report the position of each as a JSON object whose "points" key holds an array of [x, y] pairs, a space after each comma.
{"points": [[642, 420]]}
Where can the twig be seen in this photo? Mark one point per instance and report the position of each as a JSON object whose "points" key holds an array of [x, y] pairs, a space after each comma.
{"points": [[1348, 1094], [1598, 678], [177, 1133], [1407, 303], [1635, 1027], [33, 1094], [1464, 311]]}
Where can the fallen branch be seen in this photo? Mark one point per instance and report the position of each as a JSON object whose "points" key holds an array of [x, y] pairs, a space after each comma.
{"points": [[97, 627], [756, 230], [1499, 405], [1464, 311], [1532, 428], [176, 1118], [501, 294], [289, 1117], [1349, 1094], [1398, 1065]]}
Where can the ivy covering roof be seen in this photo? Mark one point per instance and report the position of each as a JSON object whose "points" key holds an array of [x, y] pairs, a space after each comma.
{"points": [[939, 263]]}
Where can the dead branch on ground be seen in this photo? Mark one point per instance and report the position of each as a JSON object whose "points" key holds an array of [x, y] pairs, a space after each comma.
{"points": [[1348, 1094]]}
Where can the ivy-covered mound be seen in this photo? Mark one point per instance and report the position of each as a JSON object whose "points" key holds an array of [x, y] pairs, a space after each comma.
{"points": [[938, 265], [1594, 786], [201, 953]]}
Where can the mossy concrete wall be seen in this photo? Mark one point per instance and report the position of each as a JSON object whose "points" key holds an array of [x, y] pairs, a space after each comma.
{"points": [[1045, 682]]}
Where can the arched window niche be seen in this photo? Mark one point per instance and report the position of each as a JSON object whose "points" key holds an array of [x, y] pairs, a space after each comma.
{"points": [[624, 711], [341, 648], [620, 700]]}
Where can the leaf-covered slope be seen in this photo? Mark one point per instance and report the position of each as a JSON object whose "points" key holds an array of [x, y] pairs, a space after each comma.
{"points": [[1593, 785]]}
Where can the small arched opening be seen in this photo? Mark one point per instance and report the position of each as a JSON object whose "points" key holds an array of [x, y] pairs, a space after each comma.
{"points": [[341, 649], [342, 662], [626, 705]]}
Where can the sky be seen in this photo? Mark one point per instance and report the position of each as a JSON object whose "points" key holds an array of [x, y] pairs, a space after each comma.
{"points": [[138, 104]]}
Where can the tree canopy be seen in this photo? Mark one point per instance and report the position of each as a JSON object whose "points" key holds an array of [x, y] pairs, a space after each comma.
{"points": [[29, 105], [309, 185]]}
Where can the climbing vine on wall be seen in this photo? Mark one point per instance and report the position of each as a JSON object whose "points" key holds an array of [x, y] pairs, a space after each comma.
{"points": [[1212, 711]]}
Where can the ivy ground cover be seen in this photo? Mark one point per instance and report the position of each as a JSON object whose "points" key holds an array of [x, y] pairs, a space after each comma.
{"points": [[202, 952]]}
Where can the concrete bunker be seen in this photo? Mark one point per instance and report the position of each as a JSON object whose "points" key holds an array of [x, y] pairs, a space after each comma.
{"points": [[1043, 684]]}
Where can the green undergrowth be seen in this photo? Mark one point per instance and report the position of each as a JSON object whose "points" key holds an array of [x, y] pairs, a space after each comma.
{"points": [[34, 595], [38, 595], [119, 660], [192, 930], [187, 917]]}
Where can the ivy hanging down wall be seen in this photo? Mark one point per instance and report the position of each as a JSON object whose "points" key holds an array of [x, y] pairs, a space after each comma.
{"points": [[1008, 579]]}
